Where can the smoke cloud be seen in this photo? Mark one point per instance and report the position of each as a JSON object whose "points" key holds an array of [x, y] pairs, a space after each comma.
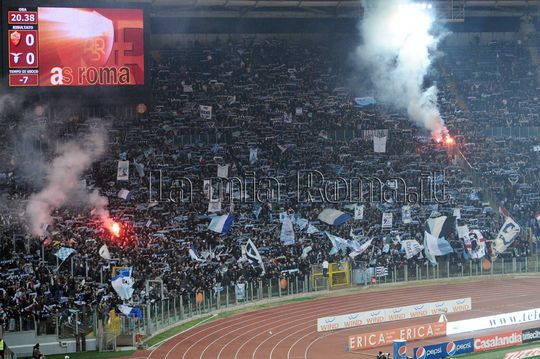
{"points": [[63, 187], [397, 52]]}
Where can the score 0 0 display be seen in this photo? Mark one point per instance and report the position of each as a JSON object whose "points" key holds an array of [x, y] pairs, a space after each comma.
{"points": [[54, 46]]}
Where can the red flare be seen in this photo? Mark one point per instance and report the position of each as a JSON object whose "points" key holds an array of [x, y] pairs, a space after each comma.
{"points": [[115, 229]]}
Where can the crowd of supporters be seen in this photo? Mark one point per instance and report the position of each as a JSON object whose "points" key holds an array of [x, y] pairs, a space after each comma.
{"points": [[295, 104]]}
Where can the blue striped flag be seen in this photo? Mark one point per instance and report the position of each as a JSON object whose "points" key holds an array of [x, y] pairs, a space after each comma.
{"points": [[381, 271], [221, 224]]}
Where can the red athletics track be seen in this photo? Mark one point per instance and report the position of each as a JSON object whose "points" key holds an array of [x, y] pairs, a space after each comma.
{"points": [[290, 331]]}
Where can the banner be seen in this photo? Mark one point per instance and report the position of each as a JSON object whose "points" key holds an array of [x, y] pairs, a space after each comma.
{"points": [[240, 290], [386, 220], [496, 341], [530, 335], [205, 112], [358, 211], [406, 216], [522, 354], [123, 171], [369, 134], [364, 101], [387, 337], [393, 314], [379, 144], [506, 236], [444, 350], [493, 321]]}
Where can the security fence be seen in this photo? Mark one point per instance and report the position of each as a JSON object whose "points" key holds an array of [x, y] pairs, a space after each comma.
{"points": [[113, 329]]}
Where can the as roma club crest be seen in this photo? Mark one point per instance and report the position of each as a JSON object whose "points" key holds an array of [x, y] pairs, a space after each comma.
{"points": [[15, 38]]}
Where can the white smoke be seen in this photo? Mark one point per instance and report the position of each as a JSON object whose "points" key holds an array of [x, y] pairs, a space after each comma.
{"points": [[397, 52], [63, 186]]}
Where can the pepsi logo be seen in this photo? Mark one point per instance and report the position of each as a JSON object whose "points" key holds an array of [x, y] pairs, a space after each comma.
{"points": [[451, 348], [402, 351], [420, 353]]}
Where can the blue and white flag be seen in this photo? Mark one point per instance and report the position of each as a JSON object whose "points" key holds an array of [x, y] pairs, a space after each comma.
{"points": [[365, 101], [312, 229], [221, 224], [411, 248], [361, 249], [381, 271], [387, 220], [193, 253], [508, 232], [122, 283], [358, 211], [302, 223], [139, 167], [333, 217], [287, 232], [132, 312], [437, 246], [306, 251], [252, 156], [338, 243], [253, 255], [64, 252], [406, 216], [125, 194], [283, 216]]}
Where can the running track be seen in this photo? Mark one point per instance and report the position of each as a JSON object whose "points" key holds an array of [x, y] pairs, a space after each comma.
{"points": [[290, 332]]}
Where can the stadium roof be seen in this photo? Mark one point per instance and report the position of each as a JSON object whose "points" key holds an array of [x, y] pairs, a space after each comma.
{"points": [[447, 10]]}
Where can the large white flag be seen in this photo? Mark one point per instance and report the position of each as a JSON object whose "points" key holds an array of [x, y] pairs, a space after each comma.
{"points": [[104, 252], [123, 171], [252, 253], [379, 144], [507, 234], [223, 171]]}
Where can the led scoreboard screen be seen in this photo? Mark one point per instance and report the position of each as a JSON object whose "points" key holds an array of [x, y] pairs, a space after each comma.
{"points": [[60, 46]]}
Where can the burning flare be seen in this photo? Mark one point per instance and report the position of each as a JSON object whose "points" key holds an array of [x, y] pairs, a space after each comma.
{"points": [[115, 229]]}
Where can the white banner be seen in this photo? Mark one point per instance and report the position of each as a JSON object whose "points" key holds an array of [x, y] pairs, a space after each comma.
{"points": [[358, 211], [123, 171], [406, 216], [393, 314], [205, 112], [412, 247], [379, 144], [387, 220], [493, 321]]}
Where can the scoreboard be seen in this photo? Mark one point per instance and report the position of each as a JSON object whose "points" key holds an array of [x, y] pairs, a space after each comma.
{"points": [[68, 46], [23, 61]]}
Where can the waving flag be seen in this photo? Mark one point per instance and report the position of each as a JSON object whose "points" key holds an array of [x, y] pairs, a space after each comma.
{"points": [[338, 243], [333, 217], [287, 232], [104, 252], [437, 246], [64, 252], [193, 253], [221, 224], [312, 229], [253, 255], [131, 312], [125, 194], [477, 244], [508, 232], [122, 283], [411, 247], [364, 101], [361, 249], [252, 156]]}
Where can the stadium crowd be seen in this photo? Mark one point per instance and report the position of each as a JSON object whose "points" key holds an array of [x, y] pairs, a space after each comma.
{"points": [[295, 105]]}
